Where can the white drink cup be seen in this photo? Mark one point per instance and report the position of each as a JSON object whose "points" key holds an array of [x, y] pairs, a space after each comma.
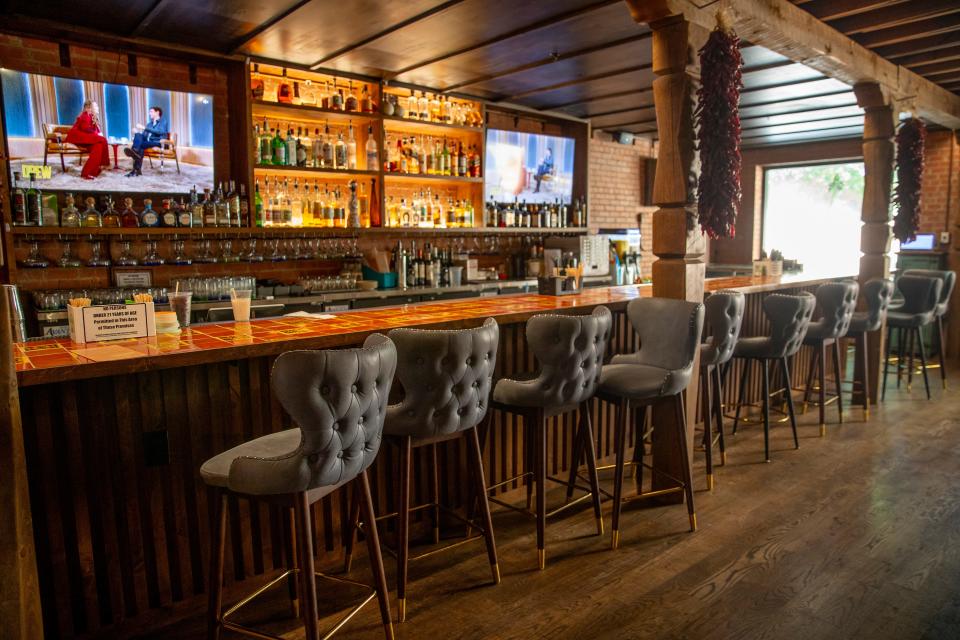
{"points": [[240, 301]]}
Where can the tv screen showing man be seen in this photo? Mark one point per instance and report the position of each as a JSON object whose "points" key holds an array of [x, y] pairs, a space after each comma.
{"points": [[147, 137]]}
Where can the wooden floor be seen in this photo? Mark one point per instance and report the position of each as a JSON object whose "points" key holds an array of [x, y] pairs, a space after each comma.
{"points": [[855, 535]]}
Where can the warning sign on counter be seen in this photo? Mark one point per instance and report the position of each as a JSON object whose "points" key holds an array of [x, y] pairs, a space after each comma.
{"points": [[114, 321]]}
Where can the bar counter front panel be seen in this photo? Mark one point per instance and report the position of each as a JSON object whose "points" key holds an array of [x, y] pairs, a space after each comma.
{"points": [[115, 435]]}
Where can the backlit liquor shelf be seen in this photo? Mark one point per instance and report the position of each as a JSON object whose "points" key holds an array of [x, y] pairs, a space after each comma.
{"points": [[287, 231]]}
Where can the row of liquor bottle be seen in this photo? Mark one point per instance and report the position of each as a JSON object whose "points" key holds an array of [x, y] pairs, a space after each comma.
{"points": [[427, 155], [322, 151], [428, 210], [283, 203], [424, 267], [324, 94], [220, 209], [555, 215], [435, 108]]}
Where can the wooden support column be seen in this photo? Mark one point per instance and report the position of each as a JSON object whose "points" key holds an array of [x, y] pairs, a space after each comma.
{"points": [[678, 243], [875, 234], [19, 586]]}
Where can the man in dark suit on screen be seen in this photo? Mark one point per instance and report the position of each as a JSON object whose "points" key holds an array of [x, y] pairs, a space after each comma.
{"points": [[149, 136]]}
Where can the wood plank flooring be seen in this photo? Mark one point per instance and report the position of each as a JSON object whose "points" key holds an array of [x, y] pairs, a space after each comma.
{"points": [[854, 535]]}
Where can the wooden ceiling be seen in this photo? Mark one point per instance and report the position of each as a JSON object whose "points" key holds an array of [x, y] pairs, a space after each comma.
{"points": [[921, 35], [585, 58]]}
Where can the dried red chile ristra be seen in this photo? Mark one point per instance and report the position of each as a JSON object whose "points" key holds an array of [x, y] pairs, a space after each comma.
{"points": [[910, 140], [717, 119]]}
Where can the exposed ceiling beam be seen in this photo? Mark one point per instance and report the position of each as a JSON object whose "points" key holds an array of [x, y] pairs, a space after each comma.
{"points": [[929, 57], [557, 19], [614, 112], [910, 31], [549, 60], [382, 34], [833, 9], [921, 45], [938, 68], [580, 80], [894, 15], [790, 31], [144, 22], [248, 37], [825, 123], [597, 98]]}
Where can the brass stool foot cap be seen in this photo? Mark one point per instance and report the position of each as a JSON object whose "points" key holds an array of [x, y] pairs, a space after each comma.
{"points": [[436, 535], [401, 610], [944, 385], [615, 539], [709, 482], [723, 458], [866, 414], [542, 558], [693, 522], [495, 568], [823, 429], [347, 564], [388, 630], [599, 526]]}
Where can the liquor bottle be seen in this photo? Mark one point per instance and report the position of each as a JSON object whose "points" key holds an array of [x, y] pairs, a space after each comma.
{"points": [[291, 149], [256, 144], [351, 103], [184, 214], [129, 218], [340, 152], [233, 205], [371, 149], [244, 216], [265, 142], [327, 151], [445, 159], [336, 100], [306, 145], [69, 217], [462, 162], [91, 217], [19, 201], [351, 148], [279, 148], [149, 217], [209, 215], [353, 207], [34, 206], [445, 115], [168, 212], [221, 208], [366, 102], [196, 209], [110, 216], [257, 204]]}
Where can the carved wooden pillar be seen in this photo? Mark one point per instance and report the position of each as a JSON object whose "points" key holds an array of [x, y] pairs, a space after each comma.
{"points": [[678, 243], [878, 154], [19, 590]]}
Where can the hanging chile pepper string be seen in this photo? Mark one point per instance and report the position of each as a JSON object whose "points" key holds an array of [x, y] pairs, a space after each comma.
{"points": [[717, 118], [910, 140]]}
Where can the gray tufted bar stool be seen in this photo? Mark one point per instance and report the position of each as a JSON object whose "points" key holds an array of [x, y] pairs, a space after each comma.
{"points": [[724, 316], [876, 293], [837, 302], [338, 400], [569, 351], [446, 377], [789, 318], [669, 332], [921, 297], [948, 280]]}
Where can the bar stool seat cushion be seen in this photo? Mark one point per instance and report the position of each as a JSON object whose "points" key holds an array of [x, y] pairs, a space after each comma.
{"points": [[641, 381], [753, 347], [276, 446], [838, 301], [909, 320], [860, 322], [724, 313]]}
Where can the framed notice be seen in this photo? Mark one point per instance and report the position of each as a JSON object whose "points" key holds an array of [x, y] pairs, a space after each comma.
{"points": [[133, 278], [111, 322]]}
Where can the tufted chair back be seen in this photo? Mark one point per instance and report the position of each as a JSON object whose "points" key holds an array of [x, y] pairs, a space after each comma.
{"points": [[949, 280], [877, 293], [669, 332], [921, 294], [837, 302], [789, 319], [338, 398], [724, 315], [569, 352], [446, 378]]}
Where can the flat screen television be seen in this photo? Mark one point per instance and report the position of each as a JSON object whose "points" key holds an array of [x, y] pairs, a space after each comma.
{"points": [[527, 166], [40, 112]]}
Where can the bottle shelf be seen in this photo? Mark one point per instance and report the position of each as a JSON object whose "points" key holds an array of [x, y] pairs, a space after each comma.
{"points": [[418, 178], [286, 231], [313, 172], [304, 113], [408, 125]]}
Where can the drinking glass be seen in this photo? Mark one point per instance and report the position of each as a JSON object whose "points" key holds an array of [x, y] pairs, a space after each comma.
{"points": [[153, 258], [180, 304], [180, 253], [126, 259], [34, 259], [276, 253], [205, 256], [240, 301], [252, 255], [226, 251], [68, 259]]}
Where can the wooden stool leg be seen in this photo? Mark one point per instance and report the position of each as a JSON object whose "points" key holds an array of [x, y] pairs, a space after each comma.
{"points": [[351, 537], [706, 396], [864, 374], [741, 393], [900, 352], [403, 526], [822, 379], [810, 374], [942, 352], [639, 445], [576, 456], [923, 361], [473, 443], [435, 492], [789, 396], [765, 390], [373, 547], [718, 413], [590, 449], [308, 607], [540, 467], [886, 364], [687, 475], [620, 444], [291, 558], [218, 534], [836, 379], [529, 435], [911, 349]]}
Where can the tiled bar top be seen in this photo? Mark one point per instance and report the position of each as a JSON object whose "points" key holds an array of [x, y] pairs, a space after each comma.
{"points": [[58, 360]]}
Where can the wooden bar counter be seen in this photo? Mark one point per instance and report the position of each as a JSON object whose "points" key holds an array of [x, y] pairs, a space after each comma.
{"points": [[115, 434]]}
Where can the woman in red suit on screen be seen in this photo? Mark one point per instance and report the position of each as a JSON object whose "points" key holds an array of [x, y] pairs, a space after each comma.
{"points": [[86, 133]]}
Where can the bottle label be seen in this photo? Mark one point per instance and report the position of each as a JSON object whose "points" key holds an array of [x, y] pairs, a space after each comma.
{"points": [[150, 219], [169, 219], [186, 219]]}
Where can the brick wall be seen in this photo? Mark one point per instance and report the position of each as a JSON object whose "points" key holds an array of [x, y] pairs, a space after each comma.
{"points": [[941, 180], [616, 174]]}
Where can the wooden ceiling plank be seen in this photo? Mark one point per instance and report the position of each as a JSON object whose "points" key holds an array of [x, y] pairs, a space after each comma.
{"points": [[248, 37], [937, 68], [913, 47], [577, 53], [905, 33], [596, 98], [833, 9], [614, 112], [930, 57], [382, 34], [895, 15], [581, 80], [562, 17], [144, 22]]}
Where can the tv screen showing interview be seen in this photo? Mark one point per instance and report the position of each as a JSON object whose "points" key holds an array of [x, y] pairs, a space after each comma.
{"points": [[528, 167], [97, 136]]}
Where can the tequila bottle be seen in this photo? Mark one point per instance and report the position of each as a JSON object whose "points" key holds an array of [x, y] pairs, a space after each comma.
{"points": [[149, 217], [110, 217], [185, 214], [351, 103], [129, 217], [327, 150], [69, 217], [353, 207], [168, 212], [233, 204], [209, 212], [221, 207], [91, 217]]}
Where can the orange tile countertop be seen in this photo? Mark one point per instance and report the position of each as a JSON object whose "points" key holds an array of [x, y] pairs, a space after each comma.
{"points": [[58, 360]]}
